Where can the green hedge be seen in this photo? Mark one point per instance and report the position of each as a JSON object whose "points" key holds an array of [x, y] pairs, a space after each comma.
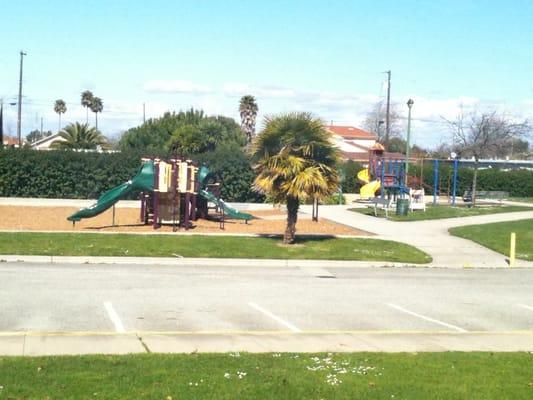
{"points": [[63, 174], [76, 175], [519, 183]]}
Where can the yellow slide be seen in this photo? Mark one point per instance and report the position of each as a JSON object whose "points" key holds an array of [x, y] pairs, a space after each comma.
{"points": [[364, 175], [367, 191]]}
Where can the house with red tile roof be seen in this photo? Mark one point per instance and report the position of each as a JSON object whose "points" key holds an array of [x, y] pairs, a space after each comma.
{"points": [[354, 143]]}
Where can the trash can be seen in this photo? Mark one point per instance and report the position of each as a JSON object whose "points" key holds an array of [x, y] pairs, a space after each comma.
{"points": [[402, 206]]}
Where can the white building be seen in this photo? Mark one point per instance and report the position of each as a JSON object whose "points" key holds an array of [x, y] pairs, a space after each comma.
{"points": [[46, 142], [354, 143]]}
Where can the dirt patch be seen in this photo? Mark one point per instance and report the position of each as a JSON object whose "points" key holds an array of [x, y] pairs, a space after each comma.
{"points": [[127, 220]]}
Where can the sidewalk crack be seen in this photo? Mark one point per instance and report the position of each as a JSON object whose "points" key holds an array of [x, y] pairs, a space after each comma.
{"points": [[143, 344]]}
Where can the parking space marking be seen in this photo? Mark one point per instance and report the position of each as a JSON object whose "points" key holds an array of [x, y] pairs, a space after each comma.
{"points": [[525, 306], [435, 321], [113, 316], [281, 321]]}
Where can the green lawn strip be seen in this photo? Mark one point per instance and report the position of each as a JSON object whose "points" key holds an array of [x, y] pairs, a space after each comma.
{"points": [[522, 199], [271, 376], [443, 211], [496, 236], [94, 244]]}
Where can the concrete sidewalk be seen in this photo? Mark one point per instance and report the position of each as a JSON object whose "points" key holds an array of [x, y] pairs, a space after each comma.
{"points": [[432, 236], [45, 344]]}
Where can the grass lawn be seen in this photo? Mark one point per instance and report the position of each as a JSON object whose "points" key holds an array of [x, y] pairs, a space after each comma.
{"points": [[443, 211], [271, 376], [522, 199], [497, 236], [323, 248]]}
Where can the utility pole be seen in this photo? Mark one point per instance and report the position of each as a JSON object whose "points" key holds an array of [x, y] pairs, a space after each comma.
{"points": [[387, 123], [22, 54]]}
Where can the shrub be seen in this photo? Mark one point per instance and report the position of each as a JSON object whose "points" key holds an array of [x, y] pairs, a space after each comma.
{"points": [[230, 166], [63, 174], [349, 170], [519, 183]]}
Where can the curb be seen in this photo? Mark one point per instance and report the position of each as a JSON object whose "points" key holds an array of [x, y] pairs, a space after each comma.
{"points": [[207, 262], [237, 262]]}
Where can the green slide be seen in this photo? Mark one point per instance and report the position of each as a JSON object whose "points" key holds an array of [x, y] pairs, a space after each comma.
{"points": [[230, 211], [203, 173], [144, 180]]}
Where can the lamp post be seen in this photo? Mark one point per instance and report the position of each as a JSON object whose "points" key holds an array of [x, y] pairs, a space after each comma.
{"points": [[410, 103]]}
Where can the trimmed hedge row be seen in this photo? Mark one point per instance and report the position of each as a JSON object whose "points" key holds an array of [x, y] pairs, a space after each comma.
{"points": [[519, 183], [77, 175], [67, 174], [63, 174]]}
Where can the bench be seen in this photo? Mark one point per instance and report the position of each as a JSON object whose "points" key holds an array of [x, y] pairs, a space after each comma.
{"points": [[383, 203], [485, 194]]}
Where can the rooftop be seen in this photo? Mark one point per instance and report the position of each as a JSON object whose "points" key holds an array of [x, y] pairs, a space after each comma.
{"points": [[350, 132]]}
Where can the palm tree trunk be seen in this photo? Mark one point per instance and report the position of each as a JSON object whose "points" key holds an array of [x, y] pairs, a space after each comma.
{"points": [[59, 130], [96, 118], [86, 115], [292, 217]]}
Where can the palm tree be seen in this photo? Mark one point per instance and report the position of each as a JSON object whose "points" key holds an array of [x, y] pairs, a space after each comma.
{"points": [[80, 136], [61, 108], [86, 100], [248, 110], [294, 160], [96, 106]]}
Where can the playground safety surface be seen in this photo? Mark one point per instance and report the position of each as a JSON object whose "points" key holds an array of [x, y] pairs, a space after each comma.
{"points": [[273, 221]]}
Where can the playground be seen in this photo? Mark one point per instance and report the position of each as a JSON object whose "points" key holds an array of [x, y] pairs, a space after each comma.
{"points": [[174, 196], [54, 218]]}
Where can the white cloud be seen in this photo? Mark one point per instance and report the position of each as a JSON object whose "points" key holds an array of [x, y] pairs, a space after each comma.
{"points": [[175, 86], [235, 89]]}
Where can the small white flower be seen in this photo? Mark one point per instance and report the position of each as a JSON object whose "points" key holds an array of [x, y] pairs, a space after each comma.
{"points": [[227, 375]]}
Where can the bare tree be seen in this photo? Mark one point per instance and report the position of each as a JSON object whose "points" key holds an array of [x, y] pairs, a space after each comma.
{"points": [[375, 121], [480, 135]]}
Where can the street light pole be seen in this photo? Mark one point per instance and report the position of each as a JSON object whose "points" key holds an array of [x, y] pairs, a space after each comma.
{"points": [[410, 103], [22, 54], [387, 126]]}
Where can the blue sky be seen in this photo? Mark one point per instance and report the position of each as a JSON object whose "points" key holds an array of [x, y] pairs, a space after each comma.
{"points": [[324, 57]]}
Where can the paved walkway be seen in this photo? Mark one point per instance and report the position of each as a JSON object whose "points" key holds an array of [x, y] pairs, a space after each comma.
{"points": [[42, 344], [431, 236]]}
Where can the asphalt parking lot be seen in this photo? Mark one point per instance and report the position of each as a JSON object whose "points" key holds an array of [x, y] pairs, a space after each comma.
{"points": [[226, 299]]}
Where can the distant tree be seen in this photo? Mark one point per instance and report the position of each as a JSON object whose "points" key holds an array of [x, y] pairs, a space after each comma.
{"points": [[295, 160], [86, 100], [81, 136], [375, 122], [397, 145], [514, 148], [248, 111], [177, 132], [96, 106], [60, 108], [478, 135], [36, 135], [204, 136]]}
